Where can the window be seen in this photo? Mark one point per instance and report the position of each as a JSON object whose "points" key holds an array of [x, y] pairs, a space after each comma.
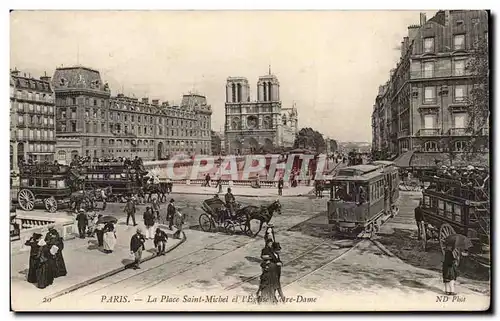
{"points": [[429, 44], [429, 121], [459, 120], [428, 69], [460, 146], [429, 95], [459, 42], [459, 93], [74, 101], [457, 213], [95, 104], [430, 147], [459, 67]]}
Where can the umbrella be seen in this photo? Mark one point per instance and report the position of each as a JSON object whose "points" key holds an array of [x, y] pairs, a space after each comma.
{"points": [[107, 219], [458, 241]]}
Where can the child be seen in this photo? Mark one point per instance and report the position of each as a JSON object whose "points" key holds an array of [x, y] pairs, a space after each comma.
{"points": [[160, 241], [450, 271]]}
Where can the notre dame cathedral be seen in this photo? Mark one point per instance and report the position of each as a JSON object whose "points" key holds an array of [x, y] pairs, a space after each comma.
{"points": [[261, 126]]}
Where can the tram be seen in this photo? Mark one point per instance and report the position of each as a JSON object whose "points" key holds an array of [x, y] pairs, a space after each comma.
{"points": [[361, 197]]}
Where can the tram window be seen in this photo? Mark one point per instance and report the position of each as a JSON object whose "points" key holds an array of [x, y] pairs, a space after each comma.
{"points": [[24, 182], [440, 207], [31, 182], [61, 184], [449, 210], [427, 201], [101, 176], [45, 183], [433, 203], [38, 182], [52, 184], [457, 211]]}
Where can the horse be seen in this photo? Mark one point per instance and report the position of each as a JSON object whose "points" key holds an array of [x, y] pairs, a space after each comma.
{"points": [[262, 213], [157, 189]]}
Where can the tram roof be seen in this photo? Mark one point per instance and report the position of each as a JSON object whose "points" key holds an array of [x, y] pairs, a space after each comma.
{"points": [[363, 172]]}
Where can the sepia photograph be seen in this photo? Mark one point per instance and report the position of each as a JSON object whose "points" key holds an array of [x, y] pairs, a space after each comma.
{"points": [[306, 160]]}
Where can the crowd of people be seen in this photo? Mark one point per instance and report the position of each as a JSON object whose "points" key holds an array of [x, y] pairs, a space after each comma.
{"points": [[46, 261]]}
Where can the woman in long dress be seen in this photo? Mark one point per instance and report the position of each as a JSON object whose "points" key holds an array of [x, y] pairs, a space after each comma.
{"points": [[266, 291], [109, 238], [450, 271], [46, 266], [54, 239], [34, 256]]}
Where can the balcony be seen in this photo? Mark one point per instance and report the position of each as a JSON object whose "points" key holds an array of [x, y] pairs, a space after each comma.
{"points": [[438, 74], [403, 133], [426, 132], [458, 132]]}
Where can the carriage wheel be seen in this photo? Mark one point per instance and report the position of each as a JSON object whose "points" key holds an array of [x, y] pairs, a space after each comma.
{"points": [[206, 223], [229, 227], [423, 235], [26, 199], [51, 204], [444, 231]]}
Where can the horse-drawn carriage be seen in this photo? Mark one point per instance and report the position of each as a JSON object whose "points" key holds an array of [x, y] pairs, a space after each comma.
{"points": [[51, 184], [119, 180], [244, 217], [451, 207]]}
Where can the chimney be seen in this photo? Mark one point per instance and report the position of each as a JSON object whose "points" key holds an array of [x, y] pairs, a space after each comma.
{"points": [[14, 72], [45, 78], [155, 102], [447, 17], [412, 32], [423, 19], [145, 100]]}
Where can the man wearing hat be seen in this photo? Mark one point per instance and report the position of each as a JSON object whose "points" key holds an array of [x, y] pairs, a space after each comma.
{"points": [[83, 221], [171, 210], [34, 256], [136, 247], [229, 198], [130, 210]]}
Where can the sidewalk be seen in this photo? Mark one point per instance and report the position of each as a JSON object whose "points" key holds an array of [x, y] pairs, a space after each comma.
{"points": [[85, 264], [243, 191]]}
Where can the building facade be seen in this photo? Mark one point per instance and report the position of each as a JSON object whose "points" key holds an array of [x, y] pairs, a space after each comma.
{"points": [[32, 119], [261, 125], [92, 122], [424, 105]]}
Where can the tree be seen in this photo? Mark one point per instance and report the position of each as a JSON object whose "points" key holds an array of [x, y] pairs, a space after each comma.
{"points": [[309, 138], [479, 97]]}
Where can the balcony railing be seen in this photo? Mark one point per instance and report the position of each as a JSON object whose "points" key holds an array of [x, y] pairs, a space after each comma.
{"points": [[438, 73], [403, 133], [458, 132], [429, 132]]}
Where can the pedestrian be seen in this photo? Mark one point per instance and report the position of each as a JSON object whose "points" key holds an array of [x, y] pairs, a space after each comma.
{"points": [[54, 239], [266, 293], [109, 238], [280, 186], [103, 198], [34, 256], [99, 231], [155, 204], [170, 213], [136, 247], [269, 233], [178, 222], [419, 218], [160, 241], [149, 222], [450, 271], [46, 266], [207, 180], [130, 210], [82, 223]]}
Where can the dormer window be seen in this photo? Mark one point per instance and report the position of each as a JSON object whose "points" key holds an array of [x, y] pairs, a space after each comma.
{"points": [[429, 44]]}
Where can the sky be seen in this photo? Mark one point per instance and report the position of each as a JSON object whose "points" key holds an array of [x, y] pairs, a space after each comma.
{"points": [[330, 63]]}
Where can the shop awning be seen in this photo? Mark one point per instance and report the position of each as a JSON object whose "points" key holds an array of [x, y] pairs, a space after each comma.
{"points": [[404, 159]]}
